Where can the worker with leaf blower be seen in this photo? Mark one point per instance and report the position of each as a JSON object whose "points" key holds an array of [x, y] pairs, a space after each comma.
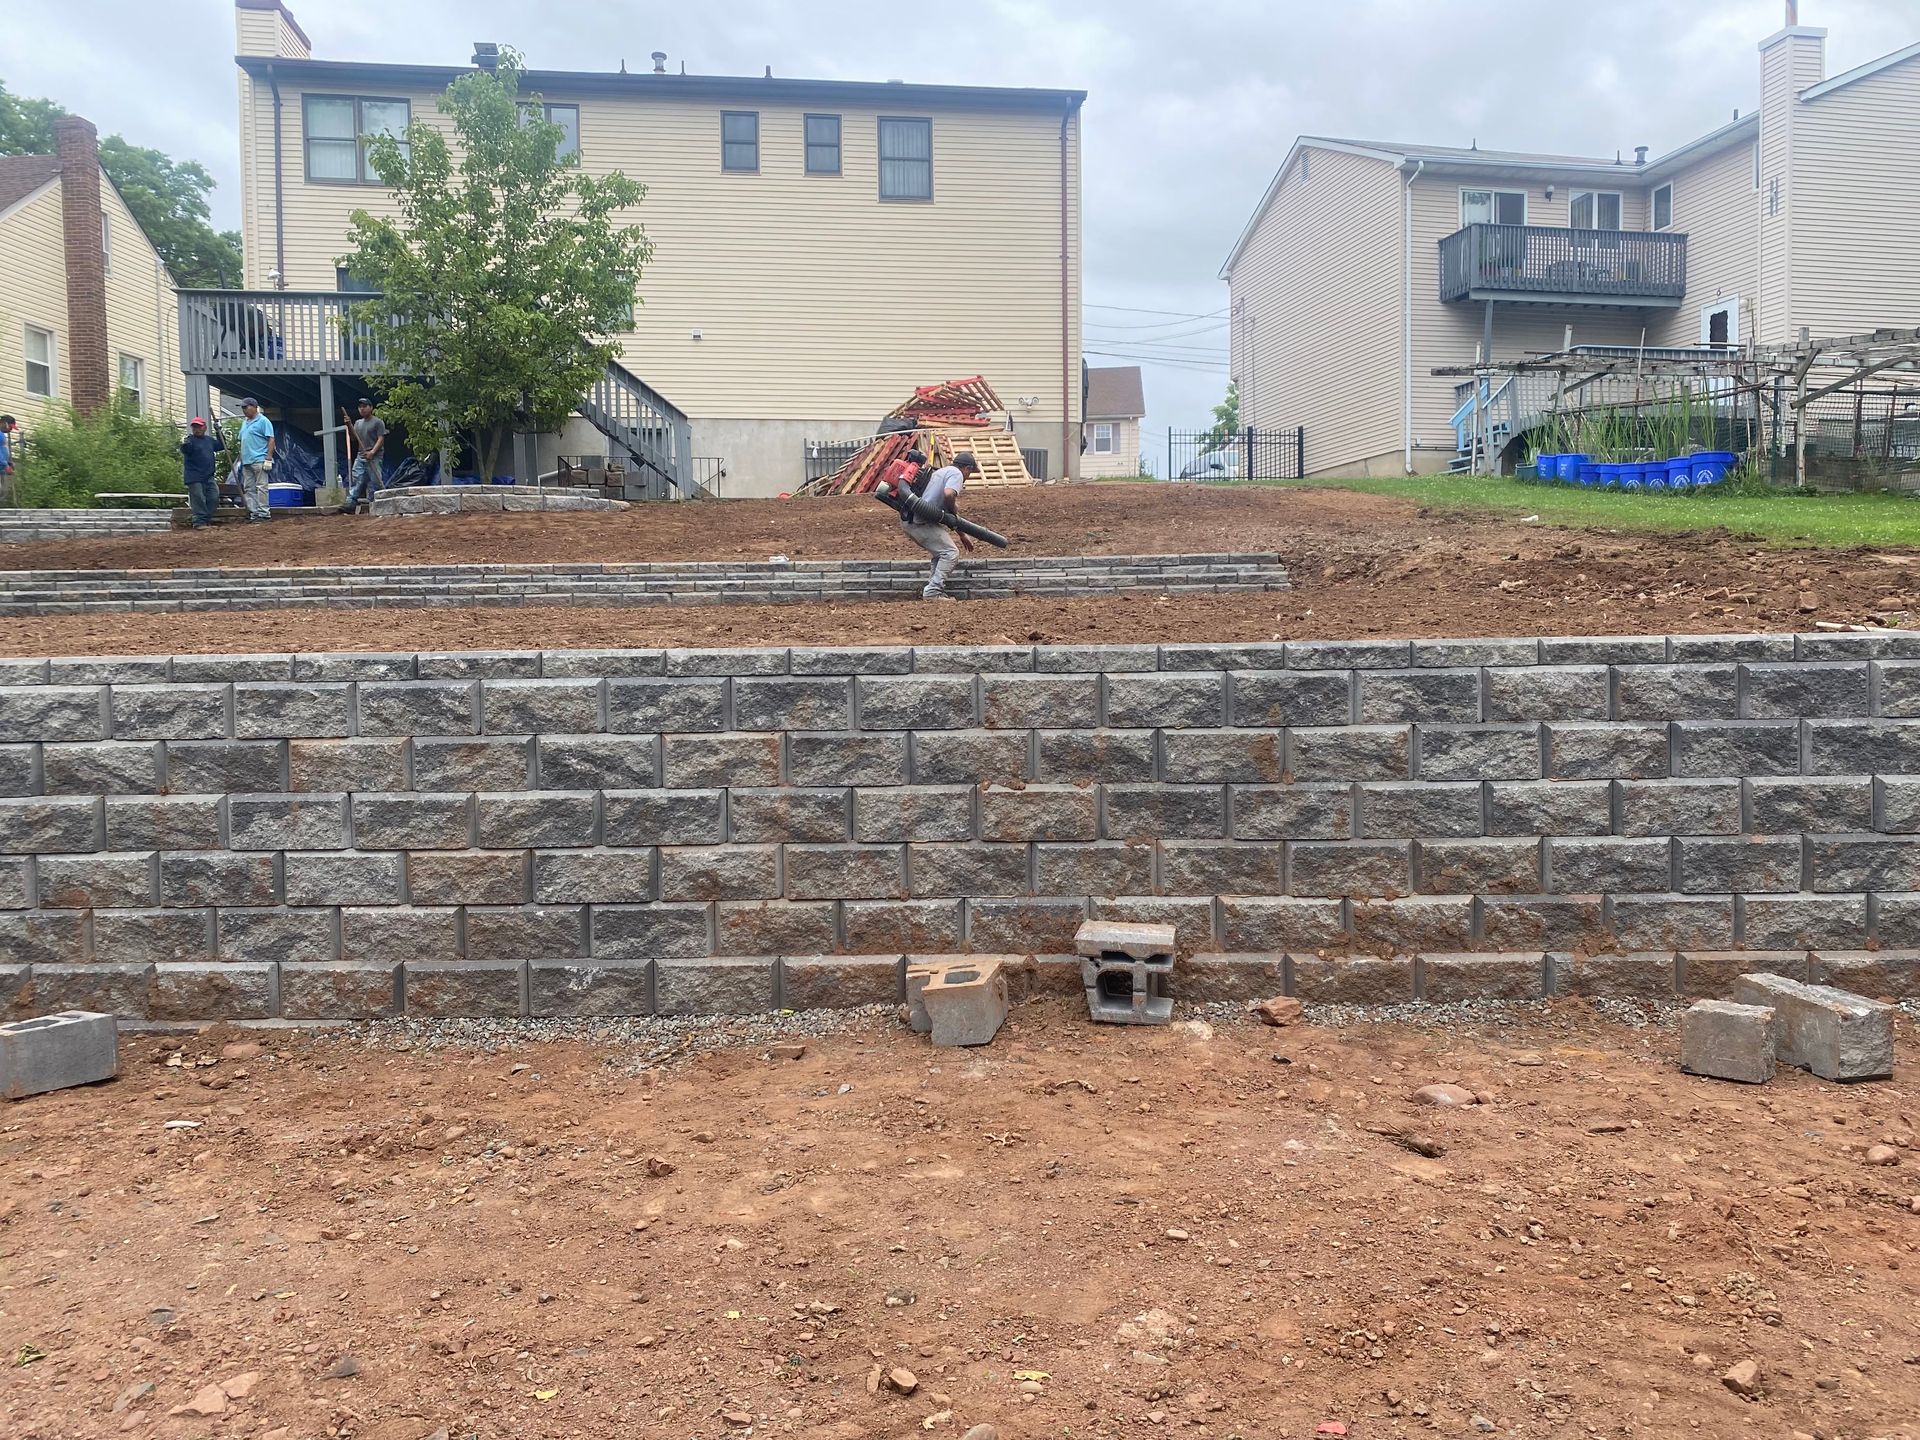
{"points": [[929, 509]]}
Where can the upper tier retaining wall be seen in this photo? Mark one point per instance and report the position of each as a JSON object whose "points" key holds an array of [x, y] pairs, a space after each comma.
{"points": [[320, 836]]}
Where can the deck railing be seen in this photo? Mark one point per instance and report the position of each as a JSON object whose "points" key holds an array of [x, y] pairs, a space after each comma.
{"points": [[274, 332], [1547, 263]]}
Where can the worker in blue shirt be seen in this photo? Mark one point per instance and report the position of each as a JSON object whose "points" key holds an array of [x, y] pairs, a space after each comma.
{"points": [[196, 465], [6, 444], [256, 458]]}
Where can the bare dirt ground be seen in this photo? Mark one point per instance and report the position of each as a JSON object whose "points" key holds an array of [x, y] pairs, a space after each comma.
{"points": [[1075, 1232], [1361, 565]]}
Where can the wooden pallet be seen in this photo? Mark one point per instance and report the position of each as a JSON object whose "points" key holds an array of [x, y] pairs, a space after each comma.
{"points": [[998, 452]]}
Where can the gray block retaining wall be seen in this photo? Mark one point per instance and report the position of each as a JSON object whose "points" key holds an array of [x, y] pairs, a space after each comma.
{"points": [[324, 836]]}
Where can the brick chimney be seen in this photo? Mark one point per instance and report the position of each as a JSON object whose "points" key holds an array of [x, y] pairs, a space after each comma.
{"points": [[90, 381]]}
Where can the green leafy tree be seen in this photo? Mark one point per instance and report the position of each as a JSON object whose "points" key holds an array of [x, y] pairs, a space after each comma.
{"points": [[67, 458], [504, 275], [167, 197], [1226, 417]]}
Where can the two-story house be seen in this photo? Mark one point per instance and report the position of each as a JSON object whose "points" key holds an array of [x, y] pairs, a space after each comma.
{"points": [[1366, 265], [820, 247]]}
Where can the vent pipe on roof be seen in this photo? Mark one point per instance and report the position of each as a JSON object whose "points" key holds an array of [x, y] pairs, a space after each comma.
{"points": [[1639, 154], [659, 62], [769, 72], [486, 55]]}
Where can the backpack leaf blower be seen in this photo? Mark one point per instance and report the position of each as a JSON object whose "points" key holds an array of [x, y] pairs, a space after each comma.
{"points": [[912, 507]]}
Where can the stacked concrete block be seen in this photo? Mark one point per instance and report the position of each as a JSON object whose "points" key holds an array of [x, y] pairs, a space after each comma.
{"points": [[1836, 1035], [1127, 971]]}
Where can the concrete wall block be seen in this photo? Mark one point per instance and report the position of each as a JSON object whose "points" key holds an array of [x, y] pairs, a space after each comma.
{"points": [[595, 877], [597, 989], [276, 936], [1417, 807], [851, 660], [1479, 867], [1642, 975], [1847, 863], [287, 822], [840, 982], [104, 880], [1897, 684], [1443, 653], [584, 762], [467, 989], [1679, 807], [114, 768], [1165, 812], [1550, 922], [819, 815], [970, 757], [355, 665], [1216, 977], [526, 932], [225, 669], [226, 767], [1190, 917], [1607, 865], [1479, 752], [55, 1052], [524, 819], [703, 762], [1039, 812], [662, 817], [343, 878], [1804, 691], [1166, 701], [407, 933], [153, 937], [43, 826], [1836, 1035], [1348, 654], [713, 987], [418, 707], [1606, 752], [1024, 927], [681, 707], [775, 927], [1736, 748], [1360, 752], [213, 992], [720, 872], [1561, 693], [162, 822], [119, 990], [1276, 697], [53, 712], [1381, 868], [1086, 659], [468, 877], [1673, 922], [1409, 926], [1449, 977], [787, 703], [971, 659], [846, 759], [1110, 867], [1877, 974], [1676, 692], [1217, 757], [1859, 747], [216, 877], [108, 670], [169, 712], [1027, 702], [1728, 1041], [17, 671], [1707, 649], [1351, 979], [762, 660], [1223, 867], [1284, 812], [897, 816], [1550, 807], [1745, 864], [477, 664], [36, 937], [271, 711], [1077, 757], [917, 702], [348, 765], [1257, 655], [1272, 923], [880, 927], [540, 707], [1603, 650], [846, 872], [412, 822], [1710, 974], [15, 892], [1441, 697], [1898, 810], [961, 871], [340, 990], [1804, 922], [640, 932], [18, 767], [1779, 807], [601, 664]]}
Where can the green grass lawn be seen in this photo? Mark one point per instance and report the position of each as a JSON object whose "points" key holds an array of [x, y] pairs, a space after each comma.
{"points": [[1778, 518]]}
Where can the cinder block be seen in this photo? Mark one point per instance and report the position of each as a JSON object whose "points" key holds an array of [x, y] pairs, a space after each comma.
{"points": [[1447, 977], [419, 707], [1577, 866], [916, 702], [86, 882], [593, 877], [1079, 757], [747, 660], [713, 987], [1710, 974], [1836, 1035], [478, 989], [1166, 812], [1213, 976], [1396, 809], [1097, 938], [153, 937], [704, 762], [115, 768], [350, 765], [526, 932], [169, 712], [903, 815], [970, 757], [839, 982], [1877, 974], [1737, 748], [790, 703], [1269, 698], [53, 712], [276, 937], [1406, 927], [1640, 975], [1550, 807], [1382, 868], [1553, 922], [287, 822], [817, 815], [1543, 692], [1350, 979], [289, 709], [476, 664], [966, 871], [1606, 752], [1028, 702], [1281, 812], [1107, 867], [1166, 701], [343, 878], [1744, 864], [590, 988], [1804, 922], [540, 707], [971, 659], [847, 759], [1806, 691], [1227, 867], [662, 817], [524, 819], [1218, 757], [1673, 922], [845, 872], [407, 933], [226, 991], [53, 1052], [1478, 867], [1479, 752], [468, 877], [642, 932], [966, 1002], [105, 989], [1440, 697], [163, 822], [851, 660], [412, 822], [1024, 927], [226, 767], [223, 669], [1191, 918], [774, 927], [877, 927], [1843, 863], [217, 877], [340, 990], [1357, 752], [1676, 692], [1121, 990], [1679, 807], [1039, 812], [1727, 1041], [1261, 923]]}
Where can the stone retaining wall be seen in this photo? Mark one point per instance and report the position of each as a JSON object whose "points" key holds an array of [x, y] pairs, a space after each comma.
{"points": [[612, 832], [57, 592], [17, 527]]}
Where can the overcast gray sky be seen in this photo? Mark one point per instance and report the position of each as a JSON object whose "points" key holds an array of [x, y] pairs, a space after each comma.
{"points": [[1190, 106]]}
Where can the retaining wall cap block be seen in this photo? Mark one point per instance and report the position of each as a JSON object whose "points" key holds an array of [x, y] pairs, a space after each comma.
{"points": [[1119, 937], [1835, 1034], [52, 1052], [1728, 1041]]}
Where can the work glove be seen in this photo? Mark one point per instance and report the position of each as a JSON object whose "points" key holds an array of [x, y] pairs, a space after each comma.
{"points": [[267, 465]]}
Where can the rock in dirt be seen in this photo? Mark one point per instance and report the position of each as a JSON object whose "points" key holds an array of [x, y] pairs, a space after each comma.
{"points": [[211, 1400], [981, 1432], [1280, 1010], [132, 1395], [240, 1050], [1444, 1096], [345, 1368], [241, 1386], [902, 1381], [787, 1052], [1743, 1378], [739, 1419], [659, 1166], [1882, 1155]]}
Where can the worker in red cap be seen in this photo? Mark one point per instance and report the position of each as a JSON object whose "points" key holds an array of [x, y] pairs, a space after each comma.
{"points": [[196, 467]]}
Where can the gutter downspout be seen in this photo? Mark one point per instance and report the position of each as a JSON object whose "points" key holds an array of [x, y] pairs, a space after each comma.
{"points": [[279, 188], [1406, 321], [1068, 451]]}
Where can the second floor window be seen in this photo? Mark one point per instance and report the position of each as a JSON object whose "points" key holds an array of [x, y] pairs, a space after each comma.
{"points": [[740, 140], [1493, 207], [567, 117], [1663, 207], [906, 159], [1595, 210], [337, 130], [823, 144]]}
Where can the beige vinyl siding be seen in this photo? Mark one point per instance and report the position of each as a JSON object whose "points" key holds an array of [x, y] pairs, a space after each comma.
{"points": [[1714, 206], [33, 290], [1316, 310], [1125, 458], [1856, 211], [1788, 67], [142, 317]]}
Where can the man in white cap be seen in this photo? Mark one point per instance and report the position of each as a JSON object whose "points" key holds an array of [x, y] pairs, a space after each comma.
{"points": [[196, 468]]}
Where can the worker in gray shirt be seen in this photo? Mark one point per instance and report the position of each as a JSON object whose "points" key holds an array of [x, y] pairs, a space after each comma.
{"points": [[941, 490], [370, 443]]}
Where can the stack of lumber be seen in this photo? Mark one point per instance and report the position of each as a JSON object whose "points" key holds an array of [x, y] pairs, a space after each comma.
{"points": [[945, 419]]}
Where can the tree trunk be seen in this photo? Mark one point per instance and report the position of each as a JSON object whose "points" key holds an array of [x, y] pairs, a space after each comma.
{"points": [[487, 446]]}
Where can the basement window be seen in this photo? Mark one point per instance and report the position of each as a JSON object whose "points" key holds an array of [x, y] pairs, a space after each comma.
{"points": [[740, 141]]}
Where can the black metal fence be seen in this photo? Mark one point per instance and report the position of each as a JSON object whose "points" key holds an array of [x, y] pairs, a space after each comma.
{"points": [[1865, 437], [1238, 455]]}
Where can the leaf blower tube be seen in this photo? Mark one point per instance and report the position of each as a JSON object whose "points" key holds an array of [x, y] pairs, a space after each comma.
{"points": [[911, 505]]}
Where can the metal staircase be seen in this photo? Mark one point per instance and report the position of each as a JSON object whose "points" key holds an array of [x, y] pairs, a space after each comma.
{"points": [[649, 430]]}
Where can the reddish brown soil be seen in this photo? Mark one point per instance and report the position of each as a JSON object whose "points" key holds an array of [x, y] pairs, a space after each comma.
{"points": [[490, 1238], [1361, 565]]}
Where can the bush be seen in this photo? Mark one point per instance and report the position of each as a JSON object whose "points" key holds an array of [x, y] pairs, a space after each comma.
{"points": [[67, 459]]}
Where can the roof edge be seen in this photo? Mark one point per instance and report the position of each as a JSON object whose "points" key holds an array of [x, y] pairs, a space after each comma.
{"points": [[1860, 72], [1303, 142]]}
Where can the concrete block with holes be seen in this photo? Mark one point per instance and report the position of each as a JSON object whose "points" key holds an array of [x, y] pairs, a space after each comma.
{"points": [[53, 1052], [1126, 970]]}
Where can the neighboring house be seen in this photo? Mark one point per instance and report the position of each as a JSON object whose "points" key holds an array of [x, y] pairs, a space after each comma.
{"points": [[86, 305], [1116, 401], [820, 247], [1366, 265]]}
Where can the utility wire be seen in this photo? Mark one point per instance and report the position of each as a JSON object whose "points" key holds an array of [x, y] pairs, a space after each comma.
{"points": [[1177, 314]]}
